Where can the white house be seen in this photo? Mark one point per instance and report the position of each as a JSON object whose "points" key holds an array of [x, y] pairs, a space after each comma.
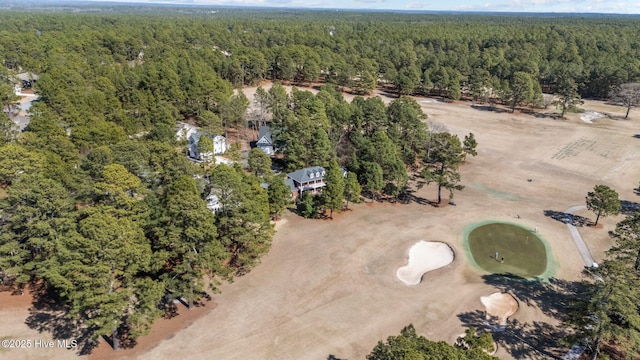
{"points": [[213, 203], [307, 179], [184, 131], [219, 146]]}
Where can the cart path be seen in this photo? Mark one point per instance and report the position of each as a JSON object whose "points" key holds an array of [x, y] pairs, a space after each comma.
{"points": [[582, 246]]}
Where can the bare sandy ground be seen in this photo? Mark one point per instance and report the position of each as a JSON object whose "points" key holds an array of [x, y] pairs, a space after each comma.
{"points": [[328, 287], [424, 256]]}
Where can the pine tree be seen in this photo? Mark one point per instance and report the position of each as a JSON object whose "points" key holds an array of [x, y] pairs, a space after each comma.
{"points": [[97, 271], [373, 178], [521, 89], [259, 162], [40, 212], [469, 145], [333, 192], [604, 201], [243, 220], [352, 189], [567, 92], [186, 241], [442, 162], [279, 195]]}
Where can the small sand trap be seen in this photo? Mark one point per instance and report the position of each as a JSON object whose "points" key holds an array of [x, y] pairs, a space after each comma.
{"points": [[424, 256], [589, 116], [500, 305]]}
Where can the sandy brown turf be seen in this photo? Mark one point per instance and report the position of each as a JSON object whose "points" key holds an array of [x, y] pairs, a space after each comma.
{"points": [[329, 287]]}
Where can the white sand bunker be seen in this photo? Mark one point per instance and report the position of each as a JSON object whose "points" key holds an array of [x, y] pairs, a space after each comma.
{"points": [[589, 116], [500, 305], [424, 256]]}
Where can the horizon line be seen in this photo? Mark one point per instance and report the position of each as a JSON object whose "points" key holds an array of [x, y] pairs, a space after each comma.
{"points": [[178, 3]]}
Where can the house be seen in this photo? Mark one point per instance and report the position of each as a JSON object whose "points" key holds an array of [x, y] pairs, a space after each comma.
{"points": [[307, 179], [184, 131], [213, 203], [219, 146], [265, 142], [28, 80]]}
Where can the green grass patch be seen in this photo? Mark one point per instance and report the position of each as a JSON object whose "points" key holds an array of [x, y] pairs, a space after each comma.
{"points": [[525, 254]]}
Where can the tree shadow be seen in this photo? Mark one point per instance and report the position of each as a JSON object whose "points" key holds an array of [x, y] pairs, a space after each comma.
{"points": [[637, 136], [616, 117], [168, 307], [566, 218], [537, 339], [552, 297], [408, 197], [489, 108], [554, 116], [630, 207], [47, 315], [333, 357]]}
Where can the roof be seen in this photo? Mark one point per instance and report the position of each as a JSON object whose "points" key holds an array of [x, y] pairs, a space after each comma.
{"points": [[264, 132], [195, 137], [184, 130], [290, 184], [307, 174], [27, 76]]}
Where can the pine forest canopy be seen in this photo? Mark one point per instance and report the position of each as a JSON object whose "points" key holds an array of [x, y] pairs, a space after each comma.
{"points": [[417, 53]]}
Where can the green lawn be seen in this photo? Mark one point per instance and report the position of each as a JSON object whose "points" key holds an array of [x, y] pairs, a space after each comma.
{"points": [[523, 252]]}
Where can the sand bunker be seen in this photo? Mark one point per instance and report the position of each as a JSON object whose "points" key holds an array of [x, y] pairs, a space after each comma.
{"points": [[589, 116], [424, 256], [500, 305]]}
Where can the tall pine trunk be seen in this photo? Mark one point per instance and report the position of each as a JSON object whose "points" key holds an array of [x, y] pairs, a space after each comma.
{"points": [[115, 341], [596, 349]]}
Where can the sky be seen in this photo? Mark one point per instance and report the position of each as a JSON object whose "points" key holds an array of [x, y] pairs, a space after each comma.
{"points": [[564, 6]]}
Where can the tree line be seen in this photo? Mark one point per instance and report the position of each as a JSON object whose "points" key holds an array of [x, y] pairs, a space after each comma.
{"points": [[452, 56], [381, 147]]}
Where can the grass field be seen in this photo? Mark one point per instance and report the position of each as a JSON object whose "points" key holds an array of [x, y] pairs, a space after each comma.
{"points": [[519, 251]]}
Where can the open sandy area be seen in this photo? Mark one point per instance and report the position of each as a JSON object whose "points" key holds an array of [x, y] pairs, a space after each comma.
{"points": [[329, 287], [500, 305], [424, 256]]}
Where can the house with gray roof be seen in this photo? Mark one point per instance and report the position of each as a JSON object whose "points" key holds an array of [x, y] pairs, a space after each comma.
{"points": [[307, 179], [265, 143], [219, 146]]}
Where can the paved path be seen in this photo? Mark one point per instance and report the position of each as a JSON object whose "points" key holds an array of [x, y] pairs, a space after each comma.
{"points": [[577, 350], [582, 247]]}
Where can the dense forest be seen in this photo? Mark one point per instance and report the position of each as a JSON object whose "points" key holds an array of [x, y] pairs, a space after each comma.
{"points": [[101, 205]]}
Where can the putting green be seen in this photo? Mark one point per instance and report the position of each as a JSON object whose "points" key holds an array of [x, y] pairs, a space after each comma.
{"points": [[525, 254]]}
